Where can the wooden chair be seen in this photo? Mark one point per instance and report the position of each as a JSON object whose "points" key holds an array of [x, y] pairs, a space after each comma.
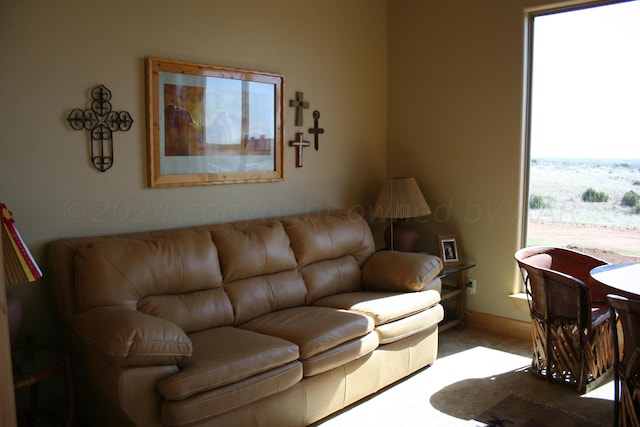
{"points": [[570, 320], [627, 368]]}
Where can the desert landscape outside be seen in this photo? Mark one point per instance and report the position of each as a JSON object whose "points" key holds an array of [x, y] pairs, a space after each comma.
{"points": [[584, 158], [609, 229]]}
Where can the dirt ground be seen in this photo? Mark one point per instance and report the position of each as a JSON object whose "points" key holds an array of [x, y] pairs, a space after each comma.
{"points": [[610, 230], [614, 245]]}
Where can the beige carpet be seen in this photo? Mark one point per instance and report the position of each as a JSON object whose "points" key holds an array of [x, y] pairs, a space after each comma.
{"points": [[474, 372]]}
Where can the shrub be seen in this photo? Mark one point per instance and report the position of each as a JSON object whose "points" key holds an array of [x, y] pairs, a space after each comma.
{"points": [[537, 202], [593, 196], [630, 198], [636, 182]]}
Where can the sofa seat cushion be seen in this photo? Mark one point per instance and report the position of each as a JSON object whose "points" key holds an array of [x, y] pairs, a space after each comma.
{"points": [[340, 355], [223, 356], [382, 307], [313, 329], [395, 331], [197, 409]]}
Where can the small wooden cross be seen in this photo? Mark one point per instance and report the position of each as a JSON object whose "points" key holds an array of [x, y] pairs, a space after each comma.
{"points": [[300, 144], [315, 130], [299, 103]]}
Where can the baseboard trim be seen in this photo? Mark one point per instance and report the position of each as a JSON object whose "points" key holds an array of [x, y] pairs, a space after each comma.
{"points": [[499, 325]]}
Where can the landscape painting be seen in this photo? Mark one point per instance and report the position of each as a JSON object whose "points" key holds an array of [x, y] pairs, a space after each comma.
{"points": [[205, 121]]}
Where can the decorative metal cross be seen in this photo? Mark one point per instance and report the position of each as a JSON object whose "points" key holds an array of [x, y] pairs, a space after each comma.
{"points": [[300, 144], [101, 122], [299, 103], [315, 130]]}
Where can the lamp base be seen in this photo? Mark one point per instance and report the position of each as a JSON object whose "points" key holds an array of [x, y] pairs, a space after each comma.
{"points": [[405, 236], [14, 313]]}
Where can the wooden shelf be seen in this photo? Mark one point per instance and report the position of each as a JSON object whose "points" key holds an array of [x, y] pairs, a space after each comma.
{"points": [[33, 366], [456, 293]]}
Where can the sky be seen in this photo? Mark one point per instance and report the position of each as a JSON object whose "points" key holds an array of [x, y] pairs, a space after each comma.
{"points": [[586, 83]]}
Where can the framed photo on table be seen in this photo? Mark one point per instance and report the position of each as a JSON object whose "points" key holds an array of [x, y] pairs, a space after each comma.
{"points": [[212, 125], [449, 248]]}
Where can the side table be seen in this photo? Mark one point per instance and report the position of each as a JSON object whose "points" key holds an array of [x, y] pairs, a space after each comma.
{"points": [[32, 366], [454, 291]]}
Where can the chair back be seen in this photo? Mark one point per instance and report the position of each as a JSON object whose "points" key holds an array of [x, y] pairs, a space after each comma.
{"points": [[627, 368], [556, 283]]}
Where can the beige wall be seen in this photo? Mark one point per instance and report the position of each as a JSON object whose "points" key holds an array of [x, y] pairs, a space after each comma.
{"points": [[454, 112], [455, 123], [54, 52]]}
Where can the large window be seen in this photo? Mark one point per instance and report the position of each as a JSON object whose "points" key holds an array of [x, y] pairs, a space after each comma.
{"points": [[584, 130]]}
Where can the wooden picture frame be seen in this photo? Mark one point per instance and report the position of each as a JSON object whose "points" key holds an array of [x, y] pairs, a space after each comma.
{"points": [[212, 125], [449, 248]]}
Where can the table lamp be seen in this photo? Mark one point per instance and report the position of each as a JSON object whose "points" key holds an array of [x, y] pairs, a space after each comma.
{"points": [[19, 267], [400, 200]]}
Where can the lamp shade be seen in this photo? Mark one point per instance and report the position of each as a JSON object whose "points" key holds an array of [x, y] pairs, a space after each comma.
{"points": [[401, 198], [19, 265]]}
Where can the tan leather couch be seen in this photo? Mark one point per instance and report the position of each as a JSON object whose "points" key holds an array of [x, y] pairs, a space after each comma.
{"points": [[269, 322]]}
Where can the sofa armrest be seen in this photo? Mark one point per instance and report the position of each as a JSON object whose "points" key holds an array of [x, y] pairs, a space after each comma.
{"points": [[131, 338], [400, 271]]}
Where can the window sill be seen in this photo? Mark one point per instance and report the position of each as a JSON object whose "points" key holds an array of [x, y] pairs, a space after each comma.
{"points": [[520, 301]]}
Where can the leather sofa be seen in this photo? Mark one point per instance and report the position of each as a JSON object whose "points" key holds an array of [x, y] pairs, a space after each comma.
{"points": [[265, 322]]}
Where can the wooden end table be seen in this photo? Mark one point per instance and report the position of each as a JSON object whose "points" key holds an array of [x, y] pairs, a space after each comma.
{"points": [[456, 291], [32, 366]]}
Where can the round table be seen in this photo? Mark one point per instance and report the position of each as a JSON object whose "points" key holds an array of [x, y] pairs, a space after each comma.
{"points": [[618, 279]]}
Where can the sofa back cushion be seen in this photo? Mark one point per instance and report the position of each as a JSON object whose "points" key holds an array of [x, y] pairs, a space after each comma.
{"points": [[253, 251], [332, 276], [259, 269], [177, 278], [260, 295], [317, 237], [330, 249]]}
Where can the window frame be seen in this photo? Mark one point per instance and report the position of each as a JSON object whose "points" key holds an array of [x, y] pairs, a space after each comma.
{"points": [[529, 38]]}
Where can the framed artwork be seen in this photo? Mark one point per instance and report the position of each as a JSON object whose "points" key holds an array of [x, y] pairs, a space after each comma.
{"points": [[449, 248], [212, 125]]}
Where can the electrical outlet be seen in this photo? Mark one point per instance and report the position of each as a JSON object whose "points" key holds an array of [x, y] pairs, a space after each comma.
{"points": [[471, 286]]}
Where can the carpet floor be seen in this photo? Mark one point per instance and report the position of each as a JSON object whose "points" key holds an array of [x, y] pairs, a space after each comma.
{"points": [[474, 371]]}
